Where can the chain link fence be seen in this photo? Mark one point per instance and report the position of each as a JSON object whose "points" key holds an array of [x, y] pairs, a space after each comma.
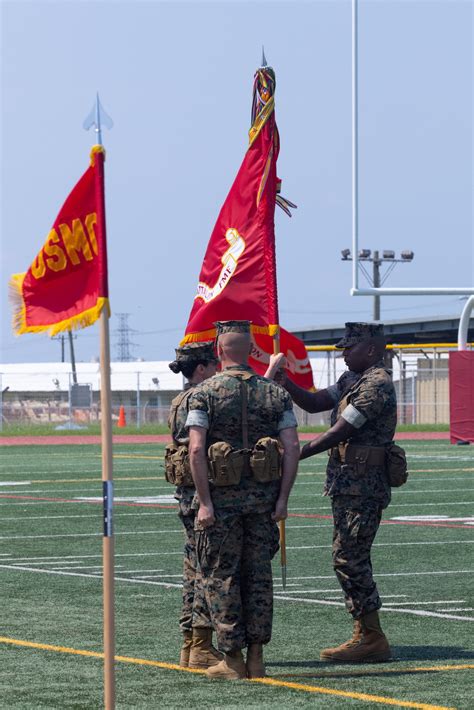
{"points": [[64, 399]]}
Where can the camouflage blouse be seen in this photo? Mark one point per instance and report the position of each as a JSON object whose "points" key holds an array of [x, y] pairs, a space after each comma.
{"points": [[216, 405], [372, 409], [179, 433], [179, 413]]}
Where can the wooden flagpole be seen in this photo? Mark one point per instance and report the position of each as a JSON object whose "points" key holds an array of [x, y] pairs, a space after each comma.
{"points": [[276, 349], [96, 118], [108, 539]]}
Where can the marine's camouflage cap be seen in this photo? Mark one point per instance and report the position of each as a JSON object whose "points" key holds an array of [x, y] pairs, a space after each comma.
{"points": [[196, 351], [232, 326], [358, 332]]}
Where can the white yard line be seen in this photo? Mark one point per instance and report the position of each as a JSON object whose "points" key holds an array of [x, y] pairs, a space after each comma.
{"points": [[158, 573], [422, 491], [392, 505], [92, 576], [436, 478], [461, 608], [422, 505], [92, 487], [60, 558], [385, 544], [54, 563], [84, 567], [395, 574], [95, 534], [436, 614], [98, 515], [415, 612], [428, 603]]}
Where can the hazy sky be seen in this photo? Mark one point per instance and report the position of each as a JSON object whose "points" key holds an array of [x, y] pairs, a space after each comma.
{"points": [[177, 80]]}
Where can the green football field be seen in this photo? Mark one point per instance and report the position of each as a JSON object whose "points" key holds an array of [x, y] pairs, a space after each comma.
{"points": [[51, 588]]}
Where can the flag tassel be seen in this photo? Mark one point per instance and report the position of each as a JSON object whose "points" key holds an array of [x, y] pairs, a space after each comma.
{"points": [[76, 322]]}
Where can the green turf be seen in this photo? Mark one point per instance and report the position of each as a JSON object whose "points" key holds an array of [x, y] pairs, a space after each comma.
{"points": [[422, 567]]}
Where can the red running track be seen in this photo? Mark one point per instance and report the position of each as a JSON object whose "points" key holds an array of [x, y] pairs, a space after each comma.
{"points": [[164, 438]]}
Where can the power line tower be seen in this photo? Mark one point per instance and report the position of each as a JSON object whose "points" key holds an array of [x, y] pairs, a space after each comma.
{"points": [[123, 333]]}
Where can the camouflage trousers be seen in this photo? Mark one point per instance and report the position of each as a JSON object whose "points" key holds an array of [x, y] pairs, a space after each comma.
{"points": [[235, 558], [195, 612], [356, 521]]}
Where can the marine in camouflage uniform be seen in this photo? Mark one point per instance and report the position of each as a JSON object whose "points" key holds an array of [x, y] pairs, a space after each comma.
{"points": [[197, 361], [236, 548], [357, 482]]}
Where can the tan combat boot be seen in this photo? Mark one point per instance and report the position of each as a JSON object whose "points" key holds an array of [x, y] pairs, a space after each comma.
{"points": [[203, 654], [372, 646], [185, 649], [255, 665], [328, 653], [232, 667]]}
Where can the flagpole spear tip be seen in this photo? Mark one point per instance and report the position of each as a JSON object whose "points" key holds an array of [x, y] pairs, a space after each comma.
{"points": [[264, 59], [98, 117]]}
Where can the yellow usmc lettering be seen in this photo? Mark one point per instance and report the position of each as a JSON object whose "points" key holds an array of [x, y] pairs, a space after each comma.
{"points": [[75, 241], [57, 260], [58, 251]]}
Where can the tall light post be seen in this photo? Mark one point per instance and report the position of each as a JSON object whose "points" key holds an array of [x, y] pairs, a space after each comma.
{"points": [[374, 279]]}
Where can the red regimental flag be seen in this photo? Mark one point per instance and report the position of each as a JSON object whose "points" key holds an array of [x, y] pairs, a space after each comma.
{"points": [[66, 285], [238, 274]]}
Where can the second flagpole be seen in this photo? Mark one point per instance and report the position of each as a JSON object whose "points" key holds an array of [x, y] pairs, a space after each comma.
{"points": [[276, 349], [95, 119]]}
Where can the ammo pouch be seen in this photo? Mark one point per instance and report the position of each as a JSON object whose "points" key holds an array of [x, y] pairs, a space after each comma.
{"points": [[226, 464], [265, 460], [391, 457], [177, 469], [363, 456], [397, 467]]}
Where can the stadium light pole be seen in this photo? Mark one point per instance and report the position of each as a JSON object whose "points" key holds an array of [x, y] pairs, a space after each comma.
{"points": [[374, 279]]}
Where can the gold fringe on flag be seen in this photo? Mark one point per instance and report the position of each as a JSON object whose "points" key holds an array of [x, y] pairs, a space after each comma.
{"points": [[211, 333], [80, 320]]}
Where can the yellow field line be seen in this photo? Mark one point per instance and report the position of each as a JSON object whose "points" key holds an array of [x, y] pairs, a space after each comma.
{"points": [[378, 671], [96, 654], [262, 681], [352, 696]]}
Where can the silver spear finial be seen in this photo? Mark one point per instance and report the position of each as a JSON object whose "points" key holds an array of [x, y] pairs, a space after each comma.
{"points": [[98, 118]]}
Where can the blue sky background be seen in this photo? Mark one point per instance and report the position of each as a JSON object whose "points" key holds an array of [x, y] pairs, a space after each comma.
{"points": [[177, 80]]}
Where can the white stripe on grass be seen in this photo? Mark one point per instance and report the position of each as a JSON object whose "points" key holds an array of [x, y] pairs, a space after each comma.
{"points": [[385, 544], [98, 514], [392, 505], [74, 502], [461, 608], [172, 585], [427, 603], [422, 491], [94, 534], [385, 596], [392, 574], [94, 488], [415, 612], [94, 576], [43, 558]]}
